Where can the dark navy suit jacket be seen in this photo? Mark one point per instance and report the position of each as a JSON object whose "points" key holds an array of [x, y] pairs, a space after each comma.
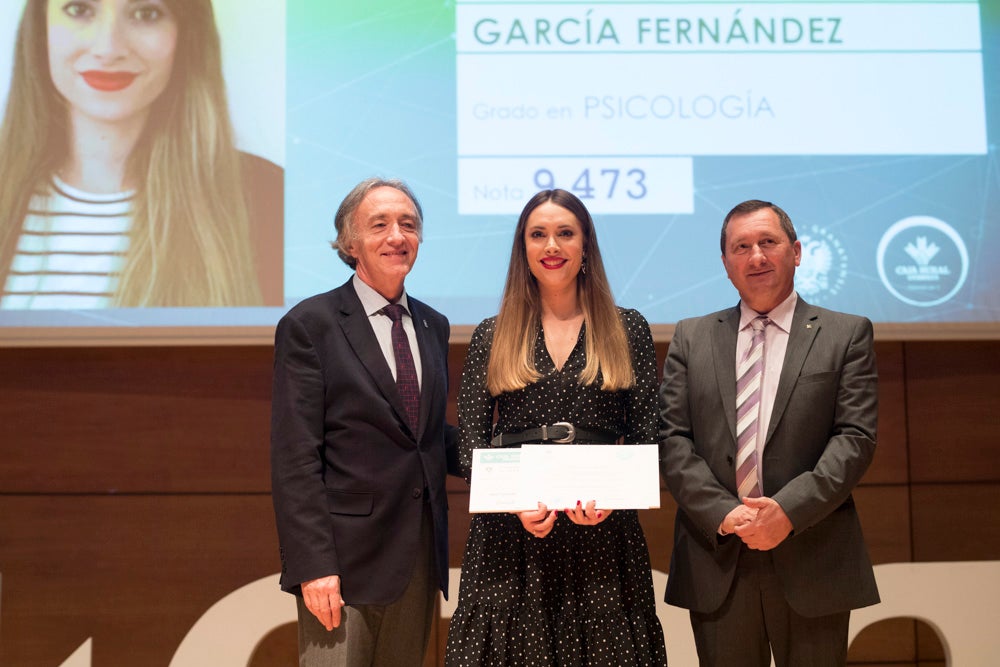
{"points": [[349, 479]]}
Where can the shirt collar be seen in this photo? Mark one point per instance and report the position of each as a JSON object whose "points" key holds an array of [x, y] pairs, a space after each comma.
{"points": [[372, 301], [781, 315]]}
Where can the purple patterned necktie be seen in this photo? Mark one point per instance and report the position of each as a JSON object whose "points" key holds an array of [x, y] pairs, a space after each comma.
{"points": [[750, 372], [406, 372]]}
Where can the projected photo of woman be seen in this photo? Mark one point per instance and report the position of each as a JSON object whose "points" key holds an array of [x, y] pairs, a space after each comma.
{"points": [[120, 182]]}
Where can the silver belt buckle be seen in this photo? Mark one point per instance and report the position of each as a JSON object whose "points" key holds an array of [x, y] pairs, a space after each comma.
{"points": [[569, 436]]}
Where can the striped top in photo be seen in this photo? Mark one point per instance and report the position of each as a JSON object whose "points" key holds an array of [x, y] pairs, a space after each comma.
{"points": [[71, 250]]}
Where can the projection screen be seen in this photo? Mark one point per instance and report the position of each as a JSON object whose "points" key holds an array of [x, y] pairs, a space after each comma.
{"points": [[870, 123]]}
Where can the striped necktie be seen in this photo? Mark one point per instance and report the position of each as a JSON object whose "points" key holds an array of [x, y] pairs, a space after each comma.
{"points": [[750, 373]]}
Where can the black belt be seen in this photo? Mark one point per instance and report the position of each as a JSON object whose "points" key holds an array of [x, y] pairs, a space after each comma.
{"points": [[560, 432]]}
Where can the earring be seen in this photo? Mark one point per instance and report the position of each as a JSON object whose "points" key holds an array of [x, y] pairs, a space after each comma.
{"points": [[583, 265]]}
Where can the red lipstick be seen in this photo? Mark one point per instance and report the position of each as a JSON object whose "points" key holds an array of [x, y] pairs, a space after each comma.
{"points": [[108, 81]]}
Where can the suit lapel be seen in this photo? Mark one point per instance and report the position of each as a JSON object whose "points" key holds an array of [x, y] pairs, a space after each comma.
{"points": [[359, 334], [805, 326], [428, 364], [724, 356]]}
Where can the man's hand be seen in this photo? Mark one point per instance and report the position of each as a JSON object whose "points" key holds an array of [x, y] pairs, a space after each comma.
{"points": [[741, 514], [769, 528], [322, 598]]}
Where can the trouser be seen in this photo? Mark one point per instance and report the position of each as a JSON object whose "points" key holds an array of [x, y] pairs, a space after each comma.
{"points": [[756, 620], [393, 635]]}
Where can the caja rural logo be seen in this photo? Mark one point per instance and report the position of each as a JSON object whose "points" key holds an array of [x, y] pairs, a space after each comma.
{"points": [[922, 261]]}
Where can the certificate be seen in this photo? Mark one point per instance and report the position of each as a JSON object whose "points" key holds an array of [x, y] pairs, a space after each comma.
{"points": [[495, 480], [615, 476]]}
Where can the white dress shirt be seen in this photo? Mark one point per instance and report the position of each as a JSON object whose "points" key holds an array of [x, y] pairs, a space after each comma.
{"points": [[373, 303]]}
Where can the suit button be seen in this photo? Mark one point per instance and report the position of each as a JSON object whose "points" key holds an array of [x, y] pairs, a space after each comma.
{"points": [[417, 492]]}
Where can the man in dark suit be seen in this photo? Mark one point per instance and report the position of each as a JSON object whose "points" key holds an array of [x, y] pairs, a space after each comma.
{"points": [[358, 451], [768, 552]]}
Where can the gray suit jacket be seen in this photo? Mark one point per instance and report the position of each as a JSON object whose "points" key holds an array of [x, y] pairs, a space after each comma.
{"points": [[820, 441]]}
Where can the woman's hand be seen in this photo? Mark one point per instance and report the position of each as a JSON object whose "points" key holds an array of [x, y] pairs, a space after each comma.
{"points": [[538, 522], [587, 515]]}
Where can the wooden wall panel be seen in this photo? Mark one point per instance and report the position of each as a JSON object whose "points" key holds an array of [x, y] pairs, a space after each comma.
{"points": [[953, 405], [955, 521], [134, 492], [885, 520], [119, 420], [890, 465], [658, 527], [133, 572]]}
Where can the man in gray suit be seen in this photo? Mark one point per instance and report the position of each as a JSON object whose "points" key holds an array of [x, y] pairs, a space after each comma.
{"points": [[767, 423]]}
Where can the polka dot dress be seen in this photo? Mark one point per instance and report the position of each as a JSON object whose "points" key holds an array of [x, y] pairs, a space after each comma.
{"points": [[583, 595]]}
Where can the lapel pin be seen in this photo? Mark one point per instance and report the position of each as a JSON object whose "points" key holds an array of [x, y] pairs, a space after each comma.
{"points": [[425, 325], [809, 326]]}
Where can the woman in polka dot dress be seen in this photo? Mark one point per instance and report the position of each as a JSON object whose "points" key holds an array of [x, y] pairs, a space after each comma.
{"points": [[557, 586]]}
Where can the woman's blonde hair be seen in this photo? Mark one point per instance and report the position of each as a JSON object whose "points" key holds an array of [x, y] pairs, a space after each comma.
{"points": [[511, 364], [190, 238]]}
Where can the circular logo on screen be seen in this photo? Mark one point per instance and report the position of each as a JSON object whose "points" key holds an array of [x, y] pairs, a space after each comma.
{"points": [[823, 267], [922, 261]]}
